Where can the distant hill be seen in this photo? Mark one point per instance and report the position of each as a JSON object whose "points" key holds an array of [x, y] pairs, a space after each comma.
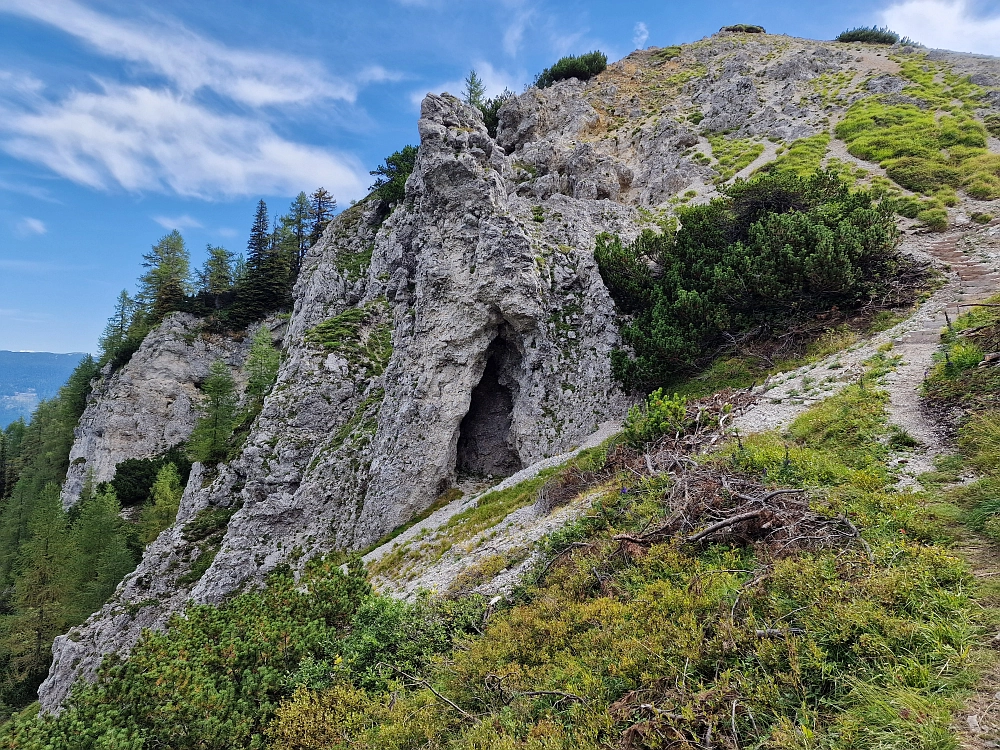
{"points": [[28, 377]]}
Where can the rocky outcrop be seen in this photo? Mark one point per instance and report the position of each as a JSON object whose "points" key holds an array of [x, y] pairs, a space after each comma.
{"points": [[149, 405], [495, 331]]}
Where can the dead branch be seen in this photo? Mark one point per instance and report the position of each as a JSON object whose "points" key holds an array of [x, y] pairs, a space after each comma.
{"points": [[721, 525], [424, 683]]}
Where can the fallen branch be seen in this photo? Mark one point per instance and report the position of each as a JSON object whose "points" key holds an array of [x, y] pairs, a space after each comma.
{"points": [[427, 685], [778, 632], [725, 522]]}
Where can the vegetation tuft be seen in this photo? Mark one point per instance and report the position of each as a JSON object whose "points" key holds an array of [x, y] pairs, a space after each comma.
{"points": [[823, 610], [582, 67], [873, 35]]}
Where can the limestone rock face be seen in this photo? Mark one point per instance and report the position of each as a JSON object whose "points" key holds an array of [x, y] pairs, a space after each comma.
{"points": [[149, 405]]}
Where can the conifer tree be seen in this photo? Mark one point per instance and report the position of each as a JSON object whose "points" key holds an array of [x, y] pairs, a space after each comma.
{"points": [[475, 89], [209, 440], [42, 588], [164, 287], [322, 206], [215, 277], [261, 367], [266, 286], [166, 499], [97, 530], [298, 225], [116, 332]]}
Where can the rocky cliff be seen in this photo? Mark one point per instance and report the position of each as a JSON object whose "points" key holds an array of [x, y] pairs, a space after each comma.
{"points": [[468, 334], [149, 405]]}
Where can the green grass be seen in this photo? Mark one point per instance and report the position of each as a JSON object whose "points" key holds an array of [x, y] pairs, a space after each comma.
{"points": [[803, 157], [362, 335], [933, 147], [733, 154]]}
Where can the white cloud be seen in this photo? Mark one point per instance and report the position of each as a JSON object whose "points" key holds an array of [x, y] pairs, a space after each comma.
{"points": [[514, 33], [177, 222], [945, 24], [191, 62], [640, 35], [28, 225], [151, 139]]}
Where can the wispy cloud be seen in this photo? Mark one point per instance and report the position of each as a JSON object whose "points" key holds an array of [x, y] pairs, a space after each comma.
{"points": [[945, 24], [28, 225], [155, 139], [166, 136], [177, 222], [514, 33], [189, 60], [640, 34]]}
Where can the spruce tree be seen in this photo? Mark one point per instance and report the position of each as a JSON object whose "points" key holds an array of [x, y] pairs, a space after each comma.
{"points": [[266, 286], [209, 440], [165, 286], [322, 206]]}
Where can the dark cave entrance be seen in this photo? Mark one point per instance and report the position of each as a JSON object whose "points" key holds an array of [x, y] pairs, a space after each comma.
{"points": [[485, 443]]}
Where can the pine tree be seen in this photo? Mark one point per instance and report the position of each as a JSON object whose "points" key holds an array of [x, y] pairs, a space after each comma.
{"points": [[215, 277], [390, 182], [261, 366], [164, 287], [475, 89], [322, 206], [166, 499], [209, 440]]}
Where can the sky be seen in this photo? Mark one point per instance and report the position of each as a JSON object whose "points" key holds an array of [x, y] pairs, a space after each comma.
{"points": [[120, 121]]}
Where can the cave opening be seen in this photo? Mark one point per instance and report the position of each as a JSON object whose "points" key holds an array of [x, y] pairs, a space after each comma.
{"points": [[485, 442]]}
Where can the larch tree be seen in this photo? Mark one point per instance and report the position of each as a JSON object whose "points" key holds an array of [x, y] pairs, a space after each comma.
{"points": [[475, 89], [164, 287], [166, 499], [215, 277], [209, 442], [261, 366]]}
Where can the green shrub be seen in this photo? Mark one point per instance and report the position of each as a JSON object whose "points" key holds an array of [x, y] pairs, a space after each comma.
{"points": [[744, 28], [491, 111], [772, 250], [582, 67], [992, 123], [660, 415], [134, 477], [872, 35], [935, 219], [667, 53], [981, 218]]}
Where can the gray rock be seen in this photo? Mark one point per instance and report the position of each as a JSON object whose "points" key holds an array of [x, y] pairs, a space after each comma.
{"points": [[149, 405]]}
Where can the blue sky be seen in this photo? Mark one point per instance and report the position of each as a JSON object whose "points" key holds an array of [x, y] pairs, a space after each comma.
{"points": [[122, 120]]}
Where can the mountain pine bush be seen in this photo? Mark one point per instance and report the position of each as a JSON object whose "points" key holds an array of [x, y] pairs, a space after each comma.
{"points": [[770, 252]]}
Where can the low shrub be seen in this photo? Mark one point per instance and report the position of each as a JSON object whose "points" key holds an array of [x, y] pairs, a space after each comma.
{"points": [[582, 67], [743, 28], [773, 250], [873, 35], [935, 219]]}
